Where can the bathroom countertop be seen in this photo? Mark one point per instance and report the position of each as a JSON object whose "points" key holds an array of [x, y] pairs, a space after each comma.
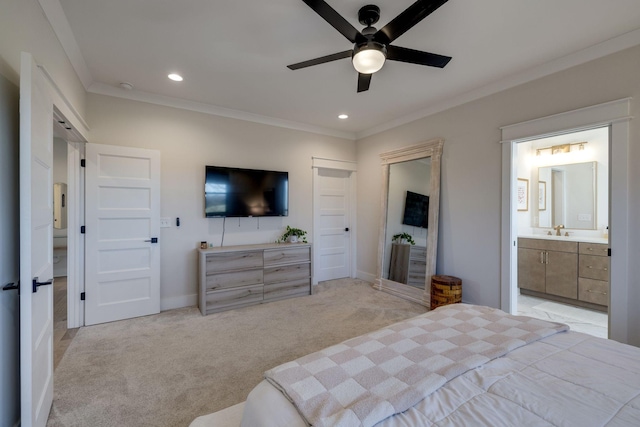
{"points": [[585, 239]]}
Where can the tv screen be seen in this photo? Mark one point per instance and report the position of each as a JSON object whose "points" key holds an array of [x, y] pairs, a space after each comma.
{"points": [[416, 210], [234, 192]]}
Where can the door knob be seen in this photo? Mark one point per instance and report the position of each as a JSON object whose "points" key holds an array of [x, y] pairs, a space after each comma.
{"points": [[11, 286]]}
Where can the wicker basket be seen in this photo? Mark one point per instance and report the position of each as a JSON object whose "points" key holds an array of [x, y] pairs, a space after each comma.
{"points": [[445, 290]]}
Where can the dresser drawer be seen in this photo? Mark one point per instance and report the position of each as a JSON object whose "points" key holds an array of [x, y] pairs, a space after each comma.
{"points": [[233, 279], [283, 290], [418, 252], [287, 273], [217, 262], [548, 245], [597, 249], [594, 291], [594, 267], [286, 256], [229, 298]]}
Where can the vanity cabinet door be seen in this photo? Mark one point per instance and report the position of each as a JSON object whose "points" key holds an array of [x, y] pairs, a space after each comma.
{"points": [[562, 274], [531, 269]]}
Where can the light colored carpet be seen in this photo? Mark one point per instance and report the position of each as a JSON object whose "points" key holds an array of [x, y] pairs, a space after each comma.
{"points": [[167, 369]]}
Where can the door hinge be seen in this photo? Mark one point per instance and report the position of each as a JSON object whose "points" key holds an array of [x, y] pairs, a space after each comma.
{"points": [[82, 163], [82, 229], [608, 251], [82, 296]]}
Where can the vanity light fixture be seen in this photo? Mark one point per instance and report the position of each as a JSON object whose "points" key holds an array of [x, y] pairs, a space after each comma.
{"points": [[562, 148], [175, 77]]}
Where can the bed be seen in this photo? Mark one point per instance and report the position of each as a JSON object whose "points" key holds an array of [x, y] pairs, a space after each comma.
{"points": [[458, 365]]}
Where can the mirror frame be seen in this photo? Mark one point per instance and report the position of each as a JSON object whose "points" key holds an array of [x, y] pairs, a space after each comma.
{"points": [[431, 148]]}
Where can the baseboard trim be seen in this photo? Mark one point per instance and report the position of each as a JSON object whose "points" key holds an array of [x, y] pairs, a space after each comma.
{"points": [[367, 277], [178, 302]]}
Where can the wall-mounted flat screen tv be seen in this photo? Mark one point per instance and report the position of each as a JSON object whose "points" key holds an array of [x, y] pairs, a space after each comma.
{"points": [[234, 192], [416, 210]]}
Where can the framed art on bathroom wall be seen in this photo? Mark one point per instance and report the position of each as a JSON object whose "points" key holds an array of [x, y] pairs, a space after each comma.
{"points": [[542, 196], [522, 195]]}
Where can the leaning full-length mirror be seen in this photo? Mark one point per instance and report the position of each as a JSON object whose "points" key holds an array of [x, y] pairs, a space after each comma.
{"points": [[408, 237]]}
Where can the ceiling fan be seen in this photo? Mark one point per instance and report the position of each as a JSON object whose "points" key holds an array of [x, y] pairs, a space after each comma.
{"points": [[371, 46]]}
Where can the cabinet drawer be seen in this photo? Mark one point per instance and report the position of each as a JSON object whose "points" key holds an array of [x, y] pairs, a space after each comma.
{"points": [[225, 299], [594, 267], [296, 288], [233, 279], [594, 291], [597, 249], [287, 273], [548, 245], [233, 261], [286, 256], [418, 252]]}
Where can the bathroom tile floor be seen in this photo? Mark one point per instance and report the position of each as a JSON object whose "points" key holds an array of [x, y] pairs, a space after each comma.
{"points": [[579, 319]]}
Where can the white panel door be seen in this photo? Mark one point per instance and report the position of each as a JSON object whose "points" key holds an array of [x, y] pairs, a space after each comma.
{"points": [[122, 218], [334, 252], [36, 245]]}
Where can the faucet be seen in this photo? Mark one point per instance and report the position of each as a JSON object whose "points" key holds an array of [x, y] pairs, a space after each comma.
{"points": [[558, 228]]}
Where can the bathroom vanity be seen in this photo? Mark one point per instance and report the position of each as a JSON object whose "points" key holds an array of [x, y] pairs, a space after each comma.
{"points": [[565, 269]]}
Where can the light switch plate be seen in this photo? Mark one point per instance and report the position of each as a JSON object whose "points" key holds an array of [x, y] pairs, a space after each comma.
{"points": [[165, 222]]}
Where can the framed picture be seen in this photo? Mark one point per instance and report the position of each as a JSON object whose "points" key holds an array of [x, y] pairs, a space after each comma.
{"points": [[523, 194], [542, 195]]}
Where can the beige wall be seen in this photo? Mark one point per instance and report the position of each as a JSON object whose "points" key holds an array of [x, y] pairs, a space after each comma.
{"points": [[25, 28], [188, 141], [470, 215]]}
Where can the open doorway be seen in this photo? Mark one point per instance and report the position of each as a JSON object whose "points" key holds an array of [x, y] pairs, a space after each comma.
{"points": [[62, 336], [562, 226]]}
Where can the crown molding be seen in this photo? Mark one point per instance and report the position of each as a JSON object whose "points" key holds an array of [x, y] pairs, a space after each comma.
{"points": [[599, 50], [167, 101], [58, 20]]}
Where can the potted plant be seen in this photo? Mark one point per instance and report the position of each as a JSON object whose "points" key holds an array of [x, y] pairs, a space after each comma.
{"points": [[403, 238], [293, 235]]}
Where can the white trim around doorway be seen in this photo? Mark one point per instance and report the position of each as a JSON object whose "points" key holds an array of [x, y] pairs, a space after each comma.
{"points": [[616, 115], [344, 165]]}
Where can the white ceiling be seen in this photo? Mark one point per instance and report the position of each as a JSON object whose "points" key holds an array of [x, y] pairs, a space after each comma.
{"points": [[233, 54]]}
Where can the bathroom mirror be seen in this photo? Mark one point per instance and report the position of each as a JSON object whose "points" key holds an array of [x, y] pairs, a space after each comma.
{"points": [[410, 204], [567, 195]]}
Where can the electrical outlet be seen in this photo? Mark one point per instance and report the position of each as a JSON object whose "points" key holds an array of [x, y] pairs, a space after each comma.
{"points": [[165, 222]]}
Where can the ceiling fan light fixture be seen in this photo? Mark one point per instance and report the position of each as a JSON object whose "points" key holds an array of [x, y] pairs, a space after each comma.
{"points": [[369, 57]]}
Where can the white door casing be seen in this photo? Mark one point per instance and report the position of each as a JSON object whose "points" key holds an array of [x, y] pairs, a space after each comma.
{"points": [[333, 219], [616, 115], [122, 216], [36, 245]]}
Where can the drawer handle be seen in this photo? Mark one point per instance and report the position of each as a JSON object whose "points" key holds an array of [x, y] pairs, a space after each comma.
{"points": [[591, 249], [596, 292], [605, 269], [589, 266]]}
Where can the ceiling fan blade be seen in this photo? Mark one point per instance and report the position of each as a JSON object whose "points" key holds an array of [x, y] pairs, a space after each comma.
{"points": [[364, 80], [321, 60], [404, 54], [335, 19], [407, 19]]}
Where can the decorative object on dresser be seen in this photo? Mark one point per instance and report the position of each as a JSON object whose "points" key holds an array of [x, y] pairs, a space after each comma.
{"points": [[237, 276], [293, 235], [403, 238], [566, 271]]}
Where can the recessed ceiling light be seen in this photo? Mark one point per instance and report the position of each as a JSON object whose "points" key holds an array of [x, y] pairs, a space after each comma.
{"points": [[343, 116], [175, 77]]}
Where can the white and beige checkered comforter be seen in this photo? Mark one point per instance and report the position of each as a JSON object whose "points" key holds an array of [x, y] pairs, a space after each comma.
{"points": [[367, 379]]}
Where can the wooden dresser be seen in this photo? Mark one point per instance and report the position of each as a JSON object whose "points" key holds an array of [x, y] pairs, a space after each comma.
{"points": [[566, 271], [237, 276], [408, 264]]}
